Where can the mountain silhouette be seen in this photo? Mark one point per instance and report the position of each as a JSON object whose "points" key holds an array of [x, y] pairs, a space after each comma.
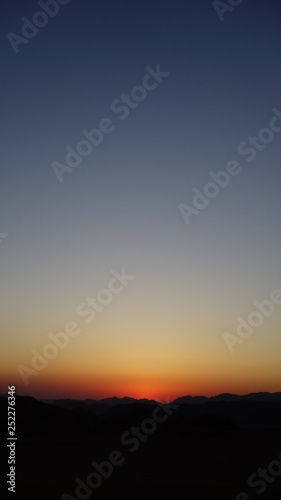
{"points": [[206, 449]]}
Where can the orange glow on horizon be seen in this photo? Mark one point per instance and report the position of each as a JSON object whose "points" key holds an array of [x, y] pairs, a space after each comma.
{"points": [[54, 387]]}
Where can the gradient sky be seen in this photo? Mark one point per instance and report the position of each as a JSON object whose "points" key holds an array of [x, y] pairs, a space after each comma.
{"points": [[162, 336]]}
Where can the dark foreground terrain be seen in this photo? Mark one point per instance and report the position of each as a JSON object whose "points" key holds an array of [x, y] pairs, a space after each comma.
{"points": [[197, 451]]}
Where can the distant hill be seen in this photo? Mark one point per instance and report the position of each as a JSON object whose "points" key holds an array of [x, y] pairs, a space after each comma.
{"points": [[258, 396], [98, 406], [257, 410], [101, 406]]}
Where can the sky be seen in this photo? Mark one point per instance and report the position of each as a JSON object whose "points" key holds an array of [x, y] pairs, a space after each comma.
{"points": [[68, 233]]}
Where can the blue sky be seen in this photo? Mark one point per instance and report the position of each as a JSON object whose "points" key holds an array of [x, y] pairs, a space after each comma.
{"points": [[119, 207]]}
